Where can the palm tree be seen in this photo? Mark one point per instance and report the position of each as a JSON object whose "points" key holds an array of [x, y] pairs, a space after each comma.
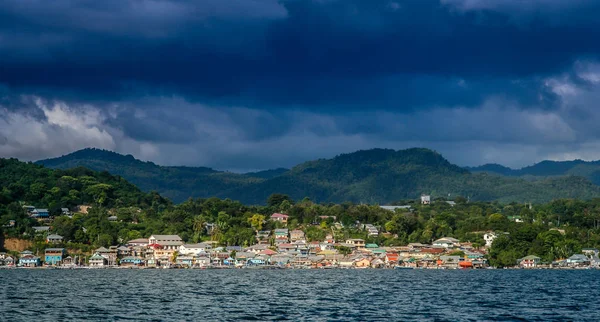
{"points": [[199, 223]]}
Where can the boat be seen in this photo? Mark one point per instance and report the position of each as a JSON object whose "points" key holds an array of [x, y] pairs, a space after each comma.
{"points": [[403, 267]]}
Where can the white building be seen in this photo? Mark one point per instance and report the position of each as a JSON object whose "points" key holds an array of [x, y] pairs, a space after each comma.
{"points": [[166, 241], [446, 242], [425, 199]]}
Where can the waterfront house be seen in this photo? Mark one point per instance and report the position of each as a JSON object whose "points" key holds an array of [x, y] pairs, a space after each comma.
{"points": [[68, 261], [29, 260], [202, 261], [578, 260], [296, 235], [363, 262], [185, 260], [97, 260], [54, 256], [282, 218], [530, 261], [54, 239], [130, 261], [449, 261], [8, 260]]}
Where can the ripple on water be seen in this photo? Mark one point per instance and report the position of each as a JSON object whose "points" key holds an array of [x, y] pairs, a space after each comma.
{"points": [[299, 295]]}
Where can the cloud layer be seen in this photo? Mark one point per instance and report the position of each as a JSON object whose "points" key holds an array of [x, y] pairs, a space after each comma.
{"points": [[258, 84]]}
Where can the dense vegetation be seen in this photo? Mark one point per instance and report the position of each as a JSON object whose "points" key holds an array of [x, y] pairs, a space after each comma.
{"points": [[372, 176], [175, 183], [546, 169], [232, 223]]}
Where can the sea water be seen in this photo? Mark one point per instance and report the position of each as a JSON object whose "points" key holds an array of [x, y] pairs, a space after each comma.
{"points": [[299, 295]]}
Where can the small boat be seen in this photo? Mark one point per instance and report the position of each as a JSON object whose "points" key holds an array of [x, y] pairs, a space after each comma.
{"points": [[403, 267]]}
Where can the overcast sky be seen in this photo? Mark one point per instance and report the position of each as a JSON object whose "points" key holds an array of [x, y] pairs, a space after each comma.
{"points": [[256, 84]]}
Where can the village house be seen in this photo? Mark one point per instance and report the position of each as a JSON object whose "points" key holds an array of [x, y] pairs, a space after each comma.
{"points": [[449, 261], [54, 239], [168, 242], [256, 249], [40, 229], [65, 211], [356, 242], [281, 235], [27, 259], [296, 235], [97, 260], [446, 242], [391, 258], [130, 261], [140, 242], [362, 263], [123, 251], [530, 261], [371, 230], [6, 260], [282, 218], [54, 256], [193, 249], [40, 213], [578, 260], [262, 237]]}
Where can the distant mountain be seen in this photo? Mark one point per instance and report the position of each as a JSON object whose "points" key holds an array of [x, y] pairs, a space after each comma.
{"points": [[370, 176], [176, 183], [544, 169], [267, 174]]}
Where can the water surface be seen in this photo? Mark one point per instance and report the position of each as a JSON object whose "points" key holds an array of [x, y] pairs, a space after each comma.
{"points": [[300, 295]]}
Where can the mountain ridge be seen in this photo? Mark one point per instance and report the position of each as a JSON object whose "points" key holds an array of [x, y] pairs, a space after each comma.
{"points": [[364, 176]]}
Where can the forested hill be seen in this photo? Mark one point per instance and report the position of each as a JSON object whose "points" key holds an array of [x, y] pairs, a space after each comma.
{"points": [[586, 169], [36, 185], [371, 176], [176, 183]]}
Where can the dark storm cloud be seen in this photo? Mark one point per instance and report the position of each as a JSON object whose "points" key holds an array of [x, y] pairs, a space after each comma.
{"points": [[291, 53], [254, 84]]}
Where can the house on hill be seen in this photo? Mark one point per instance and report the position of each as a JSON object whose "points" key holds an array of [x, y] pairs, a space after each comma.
{"points": [[54, 239], [282, 218]]}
